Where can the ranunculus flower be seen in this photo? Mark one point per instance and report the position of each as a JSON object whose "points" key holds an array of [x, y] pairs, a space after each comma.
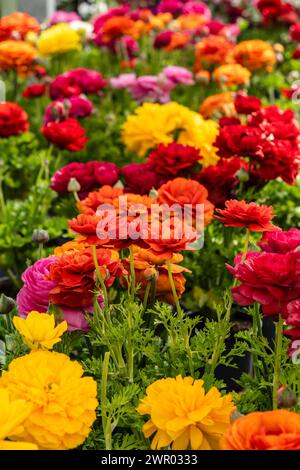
{"points": [[270, 279], [174, 7], [178, 75], [140, 178], [13, 119], [251, 216], [67, 134], [247, 104], [63, 87], [61, 16], [264, 430], [163, 39], [240, 141], [89, 175], [88, 80], [76, 107], [35, 90], [173, 160], [280, 241], [295, 32], [125, 80]]}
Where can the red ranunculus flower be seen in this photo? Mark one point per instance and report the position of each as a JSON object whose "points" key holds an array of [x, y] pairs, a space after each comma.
{"points": [[272, 120], [140, 178], [35, 90], [67, 134], [280, 241], [221, 179], [163, 39], [89, 175], [246, 104], [293, 314], [76, 107], [229, 121], [296, 53], [74, 274], [270, 279], [173, 160], [295, 32], [13, 120], [63, 87], [277, 10], [89, 81], [252, 216], [240, 141]]}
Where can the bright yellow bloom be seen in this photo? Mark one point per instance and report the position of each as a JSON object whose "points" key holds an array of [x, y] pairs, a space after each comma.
{"points": [[154, 123], [62, 402], [39, 331], [58, 39], [12, 415], [182, 415]]}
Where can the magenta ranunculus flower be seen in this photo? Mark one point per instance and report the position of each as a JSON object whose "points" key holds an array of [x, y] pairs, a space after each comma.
{"points": [[280, 241], [34, 295], [198, 8], [178, 75], [271, 279], [88, 80], [61, 16], [75, 107], [175, 7], [151, 88]]}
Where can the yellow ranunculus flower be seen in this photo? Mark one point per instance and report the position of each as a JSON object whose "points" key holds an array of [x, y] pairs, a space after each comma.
{"points": [[184, 416], [12, 415], [58, 39], [153, 124], [39, 331], [62, 402]]}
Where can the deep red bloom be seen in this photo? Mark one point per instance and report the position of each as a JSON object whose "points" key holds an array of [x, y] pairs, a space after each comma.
{"points": [[270, 279], [35, 90], [221, 179], [229, 121], [13, 120], [163, 39], [89, 175], [272, 120], [239, 140], [173, 160], [67, 134], [251, 216], [296, 53], [63, 87], [293, 314], [247, 104], [277, 10], [140, 178], [295, 32], [75, 82], [280, 241]]}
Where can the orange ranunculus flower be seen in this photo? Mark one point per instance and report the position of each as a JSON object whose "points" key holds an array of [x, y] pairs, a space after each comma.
{"points": [[232, 74], [74, 274], [254, 54], [189, 22], [144, 270], [104, 195], [178, 40], [264, 430], [17, 55], [69, 247], [160, 21], [118, 26], [183, 191], [219, 104], [211, 51], [86, 225], [148, 255], [251, 216], [17, 25]]}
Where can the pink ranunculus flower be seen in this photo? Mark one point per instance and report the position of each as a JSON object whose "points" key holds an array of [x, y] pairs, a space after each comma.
{"points": [[61, 16], [75, 107], [280, 241], [198, 8], [131, 46], [151, 88], [34, 295], [178, 75], [271, 279], [124, 80]]}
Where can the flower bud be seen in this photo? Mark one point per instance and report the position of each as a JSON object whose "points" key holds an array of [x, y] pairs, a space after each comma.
{"points": [[73, 186], [203, 77], [286, 398], [153, 193], [242, 175], [40, 236], [150, 274], [7, 304]]}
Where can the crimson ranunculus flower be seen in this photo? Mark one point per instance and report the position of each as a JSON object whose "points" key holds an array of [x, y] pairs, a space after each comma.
{"points": [[67, 134], [163, 39], [251, 216], [240, 141], [221, 179], [173, 160], [295, 32], [89, 81], [63, 87], [76, 107], [277, 10], [35, 90], [89, 175], [74, 274], [140, 178], [13, 119], [247, 104], [273, 121], [271, 279], [280, 241]]}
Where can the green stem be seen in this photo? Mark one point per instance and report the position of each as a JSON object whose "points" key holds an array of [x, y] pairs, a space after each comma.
{"points": [[40, 251], [277, 360], [105, 419], [146, 295], [99, 276], [2, 199], [132, 273], [175, 296]]}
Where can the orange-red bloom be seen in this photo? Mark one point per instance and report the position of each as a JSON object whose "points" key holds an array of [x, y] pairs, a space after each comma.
{"points": [[183, 191], [17, 25], [17, 55], [118, 26], [251, 216], [232, 74], [221, 104], [105, 195], [265, 430], [254, 54], [211, 51]]}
